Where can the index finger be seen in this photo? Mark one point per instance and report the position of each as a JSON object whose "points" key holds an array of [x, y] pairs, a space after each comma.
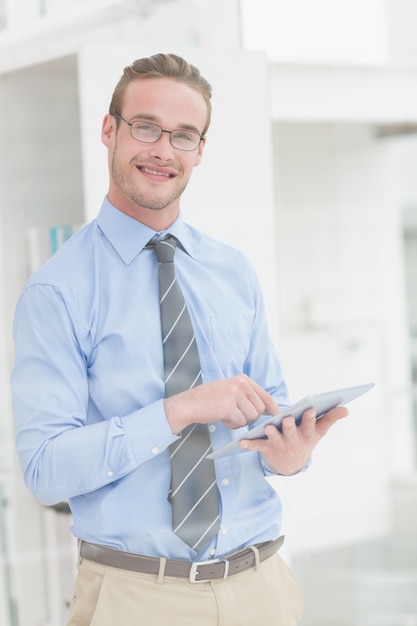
{"points": [[252, 391], [271, 407]]}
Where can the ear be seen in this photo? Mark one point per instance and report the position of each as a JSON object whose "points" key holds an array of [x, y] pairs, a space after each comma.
{"points": [[199, 155], [108, 130]]}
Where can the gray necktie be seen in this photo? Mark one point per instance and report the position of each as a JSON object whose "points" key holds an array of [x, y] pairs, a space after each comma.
{"points": [[193, 495]]}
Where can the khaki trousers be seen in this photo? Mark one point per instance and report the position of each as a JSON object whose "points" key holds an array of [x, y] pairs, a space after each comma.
{"points": [[106, 596]]}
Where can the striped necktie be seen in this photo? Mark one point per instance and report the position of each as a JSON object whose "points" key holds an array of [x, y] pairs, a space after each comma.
{"points": [[193, 494]]}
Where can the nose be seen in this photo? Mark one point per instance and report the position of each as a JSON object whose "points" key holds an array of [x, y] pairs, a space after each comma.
{"points": [[162, 148]]}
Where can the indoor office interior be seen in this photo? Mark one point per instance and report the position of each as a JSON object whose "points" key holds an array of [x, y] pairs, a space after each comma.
{"points": [[310, 168]]}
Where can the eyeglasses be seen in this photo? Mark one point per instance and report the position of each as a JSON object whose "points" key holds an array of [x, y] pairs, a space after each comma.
{"points": [[147, 132]]}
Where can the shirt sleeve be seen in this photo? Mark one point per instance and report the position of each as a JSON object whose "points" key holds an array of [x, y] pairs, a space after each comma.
{"points": [[59, 459], [262, 363]]}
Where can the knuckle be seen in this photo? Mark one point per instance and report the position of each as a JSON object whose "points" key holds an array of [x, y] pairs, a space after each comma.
{"points": [[241, 380]]}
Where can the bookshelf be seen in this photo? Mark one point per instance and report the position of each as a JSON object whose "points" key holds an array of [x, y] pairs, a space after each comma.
{"points": [[40, 187]]}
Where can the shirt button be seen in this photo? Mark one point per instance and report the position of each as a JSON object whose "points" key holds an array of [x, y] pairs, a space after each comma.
{"points": [[225, 481], [155, 450], [224, 531], [212, 428], [109, 473], [213, 552]]}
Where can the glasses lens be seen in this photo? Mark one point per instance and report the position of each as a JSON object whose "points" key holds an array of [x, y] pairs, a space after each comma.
{"points": [[144, 131], [150, 133], [185, 139]]}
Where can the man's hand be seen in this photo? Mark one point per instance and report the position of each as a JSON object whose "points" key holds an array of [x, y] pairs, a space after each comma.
{"points": [[288, 452], [236, 402]]}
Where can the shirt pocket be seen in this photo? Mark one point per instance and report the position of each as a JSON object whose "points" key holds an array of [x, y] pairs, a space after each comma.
{"points": [[230, 341]]}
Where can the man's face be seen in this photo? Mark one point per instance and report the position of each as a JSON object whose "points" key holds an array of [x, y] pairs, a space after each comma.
{"points": [[146, 177]]}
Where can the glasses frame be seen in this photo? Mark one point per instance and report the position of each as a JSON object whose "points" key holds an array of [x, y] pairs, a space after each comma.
{"points": [[163, 130]]}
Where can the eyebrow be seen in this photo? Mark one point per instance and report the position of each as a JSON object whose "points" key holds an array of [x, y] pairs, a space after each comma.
{"points": [[153, 118]]}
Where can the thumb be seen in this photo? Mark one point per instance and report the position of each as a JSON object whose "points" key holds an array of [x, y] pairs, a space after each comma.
{"points": [[324, 423]]}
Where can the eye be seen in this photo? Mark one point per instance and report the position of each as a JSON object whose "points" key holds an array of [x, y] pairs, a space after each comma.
{"points": [[184, 135], [146, 127]]}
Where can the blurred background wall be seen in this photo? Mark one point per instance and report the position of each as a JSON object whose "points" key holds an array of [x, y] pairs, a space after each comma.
{"points": [[310, 169]]}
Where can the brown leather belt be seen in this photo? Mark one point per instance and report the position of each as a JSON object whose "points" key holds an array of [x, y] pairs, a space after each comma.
{"points": [[200, 571]]}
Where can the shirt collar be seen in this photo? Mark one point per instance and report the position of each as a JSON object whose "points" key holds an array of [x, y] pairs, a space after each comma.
{"points": [[129, 237]]}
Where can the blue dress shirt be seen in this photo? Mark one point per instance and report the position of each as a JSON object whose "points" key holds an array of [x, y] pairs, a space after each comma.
{"points": [[88, 384]]}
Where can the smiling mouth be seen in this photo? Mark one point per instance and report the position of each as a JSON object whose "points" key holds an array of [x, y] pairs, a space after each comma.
{"points": [[149, 170]]}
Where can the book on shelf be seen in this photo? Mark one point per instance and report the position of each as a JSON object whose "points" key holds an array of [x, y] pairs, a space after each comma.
{"points": [[42, 243]]}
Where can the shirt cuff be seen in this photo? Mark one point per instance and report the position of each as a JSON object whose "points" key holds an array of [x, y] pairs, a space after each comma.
{"points": [[270, 472], [148, 431]]}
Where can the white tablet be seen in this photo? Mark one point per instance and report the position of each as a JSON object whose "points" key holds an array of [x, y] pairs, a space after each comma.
{"points": [[320, 402]]}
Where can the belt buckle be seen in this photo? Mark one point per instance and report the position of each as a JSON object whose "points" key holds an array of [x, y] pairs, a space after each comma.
{"points": [[194, 570]]}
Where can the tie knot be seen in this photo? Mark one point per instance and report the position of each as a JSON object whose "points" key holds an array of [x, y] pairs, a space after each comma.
{"points": [[164, 249]]}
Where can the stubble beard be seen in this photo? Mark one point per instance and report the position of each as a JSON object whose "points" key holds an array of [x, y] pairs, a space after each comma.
{"points": [[146, 200]]}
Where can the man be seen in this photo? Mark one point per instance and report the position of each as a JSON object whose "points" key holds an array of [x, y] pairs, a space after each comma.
{"points": [[96, 421]]}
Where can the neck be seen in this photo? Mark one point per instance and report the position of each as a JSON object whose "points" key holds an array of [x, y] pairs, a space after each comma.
{"points": [[157, 219]]}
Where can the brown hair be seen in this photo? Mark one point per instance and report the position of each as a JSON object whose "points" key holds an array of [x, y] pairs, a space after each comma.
{"points": [[162, 66]]}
